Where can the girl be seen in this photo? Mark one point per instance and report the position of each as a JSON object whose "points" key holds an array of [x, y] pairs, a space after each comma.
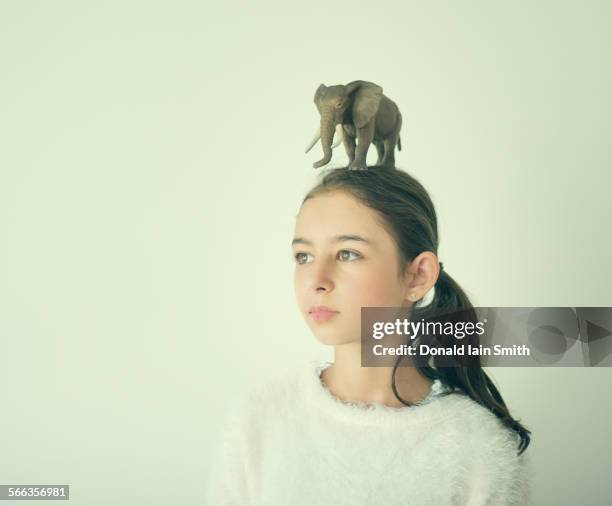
{"points": [[342, 434]]}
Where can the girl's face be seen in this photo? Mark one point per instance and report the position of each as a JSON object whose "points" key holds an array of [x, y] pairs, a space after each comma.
{"points": [[345, 260]]}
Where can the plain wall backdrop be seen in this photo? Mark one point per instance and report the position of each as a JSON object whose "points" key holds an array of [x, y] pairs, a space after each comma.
{"points": [[151, 168]]}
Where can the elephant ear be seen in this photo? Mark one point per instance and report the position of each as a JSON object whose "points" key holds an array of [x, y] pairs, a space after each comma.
{"points": [[366, 99], [319, 94]]}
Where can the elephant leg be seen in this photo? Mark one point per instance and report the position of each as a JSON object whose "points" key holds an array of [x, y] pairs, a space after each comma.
{"points": [[381, 152], [389, 156], [365, 136], [349, 146], [391, 142]]}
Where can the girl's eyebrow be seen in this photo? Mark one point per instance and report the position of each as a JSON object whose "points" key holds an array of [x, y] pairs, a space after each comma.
{"points": [[338, 238]]}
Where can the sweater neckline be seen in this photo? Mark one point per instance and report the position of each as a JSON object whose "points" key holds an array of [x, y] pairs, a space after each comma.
{"points": [[434, 405]]}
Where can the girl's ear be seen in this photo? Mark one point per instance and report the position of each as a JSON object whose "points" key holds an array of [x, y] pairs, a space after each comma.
{"points": [[422, 273]]}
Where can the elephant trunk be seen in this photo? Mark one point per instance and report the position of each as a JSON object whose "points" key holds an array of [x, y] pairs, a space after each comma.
{"points": [[327, 136]]}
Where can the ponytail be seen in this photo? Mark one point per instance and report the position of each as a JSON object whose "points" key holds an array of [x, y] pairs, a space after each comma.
{"points": [[450, 303]]}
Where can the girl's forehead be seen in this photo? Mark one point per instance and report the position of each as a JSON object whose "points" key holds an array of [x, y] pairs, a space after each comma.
{"points": [[327, 223], [335, 205]]}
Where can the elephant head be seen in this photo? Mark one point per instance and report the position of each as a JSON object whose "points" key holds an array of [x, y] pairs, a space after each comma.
{"points": [[332, 102]]}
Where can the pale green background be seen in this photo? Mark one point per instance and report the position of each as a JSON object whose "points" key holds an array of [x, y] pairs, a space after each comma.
{"points": [[152, 164]]}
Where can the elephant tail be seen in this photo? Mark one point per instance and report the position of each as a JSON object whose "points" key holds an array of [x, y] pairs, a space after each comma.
{"points": [[399, 143]]}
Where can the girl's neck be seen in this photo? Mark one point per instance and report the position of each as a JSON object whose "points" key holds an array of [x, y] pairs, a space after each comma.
{"points": [[347, 380]]}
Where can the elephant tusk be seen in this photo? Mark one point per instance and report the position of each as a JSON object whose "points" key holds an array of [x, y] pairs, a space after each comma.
{"points": [[315, 138], [338, 137]]}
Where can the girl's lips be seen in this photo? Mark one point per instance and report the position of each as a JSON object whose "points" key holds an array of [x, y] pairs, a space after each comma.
{"points": [[322, 315]]}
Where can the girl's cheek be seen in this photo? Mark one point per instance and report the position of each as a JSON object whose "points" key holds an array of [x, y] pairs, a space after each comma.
{"points": [[378, 295], [367, 297]]}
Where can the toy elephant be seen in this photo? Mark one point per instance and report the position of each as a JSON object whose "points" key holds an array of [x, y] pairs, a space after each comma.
{"points": [[359, 111]]}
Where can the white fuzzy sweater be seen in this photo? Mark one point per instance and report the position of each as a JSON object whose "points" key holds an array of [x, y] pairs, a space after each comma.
{"points": [[292, 443]]}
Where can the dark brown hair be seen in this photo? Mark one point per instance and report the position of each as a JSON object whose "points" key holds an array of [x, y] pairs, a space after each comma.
{"points": [[408, 214]]}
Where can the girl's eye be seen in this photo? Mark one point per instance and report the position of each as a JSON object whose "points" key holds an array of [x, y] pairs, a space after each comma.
{"points": [[347, 251], [298, 256], [341, 255]]}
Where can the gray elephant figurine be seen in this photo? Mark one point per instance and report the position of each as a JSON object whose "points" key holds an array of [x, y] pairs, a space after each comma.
{"points": [[359, 111]]}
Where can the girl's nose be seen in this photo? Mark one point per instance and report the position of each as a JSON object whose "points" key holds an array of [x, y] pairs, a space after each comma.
{"points": [[322, 280]]}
